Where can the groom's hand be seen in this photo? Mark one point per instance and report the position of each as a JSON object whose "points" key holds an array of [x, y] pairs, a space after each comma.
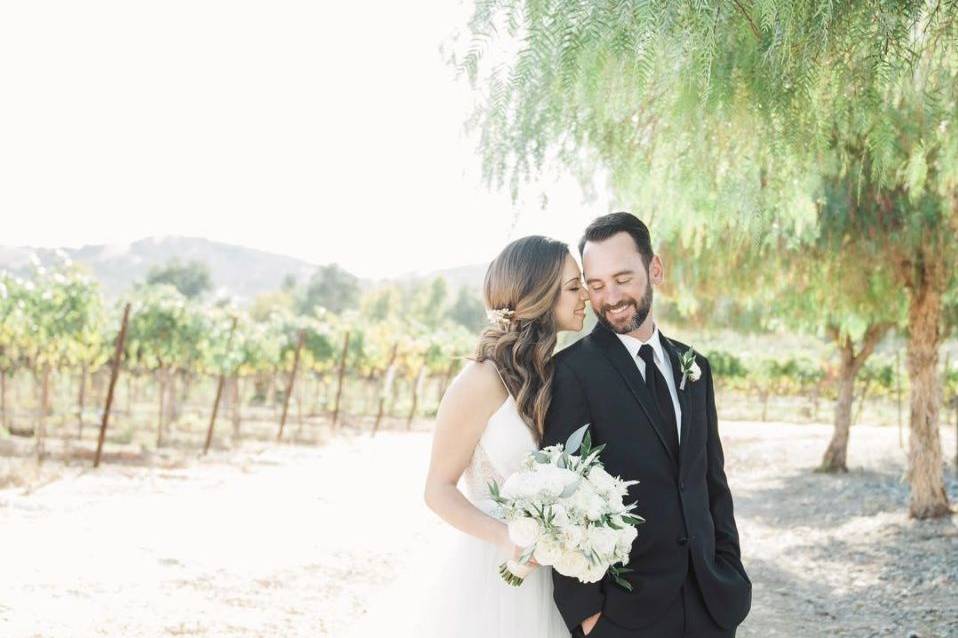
{"points": [[589, 623]]}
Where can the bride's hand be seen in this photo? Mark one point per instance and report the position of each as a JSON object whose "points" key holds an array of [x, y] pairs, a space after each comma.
{"points": [[514, 551], [517, 553]]}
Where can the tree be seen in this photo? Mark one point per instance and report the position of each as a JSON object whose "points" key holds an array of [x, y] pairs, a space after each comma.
{"points": [[430, 302], [331, 288], [712, 114], [467, 311], [192, 279]]}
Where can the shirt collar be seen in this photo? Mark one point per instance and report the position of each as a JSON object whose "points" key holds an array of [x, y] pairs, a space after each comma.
{"points": [[632, 344]]}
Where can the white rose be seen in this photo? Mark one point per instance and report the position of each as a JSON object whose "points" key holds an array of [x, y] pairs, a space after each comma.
{"points": [[550, 481], [572, 536], [547, 551], [524, 532], [603, 540], [516, 486], [594, 573], [625, 537], [602, 481], [571, 563], [694, 371]]}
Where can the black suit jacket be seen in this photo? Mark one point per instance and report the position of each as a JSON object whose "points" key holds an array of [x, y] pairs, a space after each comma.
{"points": [[685, 501]]}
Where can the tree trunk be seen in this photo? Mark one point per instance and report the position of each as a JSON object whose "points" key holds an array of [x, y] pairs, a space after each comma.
{"points": [[901, 437], [835, 459], [926, 281], [836, 454]]}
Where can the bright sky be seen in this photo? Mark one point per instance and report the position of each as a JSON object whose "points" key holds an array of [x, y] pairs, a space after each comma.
{"points": [[326, 131]]}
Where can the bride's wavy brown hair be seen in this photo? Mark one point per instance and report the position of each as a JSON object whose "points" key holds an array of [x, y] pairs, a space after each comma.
{"points": [[525, 278]]}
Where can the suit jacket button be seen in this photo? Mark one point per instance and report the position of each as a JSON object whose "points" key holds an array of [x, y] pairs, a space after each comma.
{"points": [[682, 486], [683, 541]]}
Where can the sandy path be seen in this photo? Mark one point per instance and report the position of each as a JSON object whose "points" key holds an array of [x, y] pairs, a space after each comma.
{"points": [[260, 544]]}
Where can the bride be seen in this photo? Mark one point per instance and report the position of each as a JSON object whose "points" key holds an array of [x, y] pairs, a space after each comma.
{"points": [[491, 416]]}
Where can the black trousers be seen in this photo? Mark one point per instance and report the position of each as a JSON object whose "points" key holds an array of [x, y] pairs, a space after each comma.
{"points": [[686, 617]]}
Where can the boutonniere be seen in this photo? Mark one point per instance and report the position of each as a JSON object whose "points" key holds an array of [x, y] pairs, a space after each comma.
{"points": [[690, 369]]}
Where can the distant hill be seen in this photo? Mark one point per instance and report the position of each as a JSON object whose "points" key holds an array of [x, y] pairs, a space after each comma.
{"points": [[237, 271]]}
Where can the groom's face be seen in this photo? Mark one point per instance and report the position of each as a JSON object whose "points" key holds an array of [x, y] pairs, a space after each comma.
{"points": [[619, 284]]}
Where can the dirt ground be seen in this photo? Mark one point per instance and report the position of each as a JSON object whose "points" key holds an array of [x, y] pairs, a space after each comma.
{"points": [[295, 541]]}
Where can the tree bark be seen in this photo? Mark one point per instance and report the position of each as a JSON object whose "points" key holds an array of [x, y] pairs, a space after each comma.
{"points": [[926, 277], [835, 459]]}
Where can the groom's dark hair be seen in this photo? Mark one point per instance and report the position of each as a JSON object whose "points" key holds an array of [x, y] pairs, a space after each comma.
{"points": [[604, 227]]}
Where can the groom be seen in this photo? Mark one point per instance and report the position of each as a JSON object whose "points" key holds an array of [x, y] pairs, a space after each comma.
{"points": [[626, 380]]}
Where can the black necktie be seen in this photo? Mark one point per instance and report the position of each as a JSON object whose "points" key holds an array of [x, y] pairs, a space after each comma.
{"points": [[660, 390]]}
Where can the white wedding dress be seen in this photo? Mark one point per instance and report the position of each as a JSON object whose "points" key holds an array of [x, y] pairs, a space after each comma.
{"points": [[463, 595]]}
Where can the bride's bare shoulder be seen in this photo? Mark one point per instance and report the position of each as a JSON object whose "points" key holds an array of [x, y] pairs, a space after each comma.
{"points": [[477, 386]]}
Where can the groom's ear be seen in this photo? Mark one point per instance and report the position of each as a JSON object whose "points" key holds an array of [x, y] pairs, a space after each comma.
{"points": [[656, 270]]}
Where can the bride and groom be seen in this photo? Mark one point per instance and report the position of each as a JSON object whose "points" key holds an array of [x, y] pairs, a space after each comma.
{"points": [[649, 398]]}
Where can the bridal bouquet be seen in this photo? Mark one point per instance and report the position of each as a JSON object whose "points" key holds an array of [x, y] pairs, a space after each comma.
{"points": [[566, 511]]}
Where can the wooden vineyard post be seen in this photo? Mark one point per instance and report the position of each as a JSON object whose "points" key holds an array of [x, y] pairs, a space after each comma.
{"points": [[81, 400], [114, 372], [386, 388], [339, 381], [446, 377], [289, 387], [41, 427], [219, 390], [416, 391]]}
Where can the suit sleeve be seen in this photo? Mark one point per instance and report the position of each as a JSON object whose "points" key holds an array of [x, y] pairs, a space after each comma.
{"points": [[568, 411], [720, 498]]}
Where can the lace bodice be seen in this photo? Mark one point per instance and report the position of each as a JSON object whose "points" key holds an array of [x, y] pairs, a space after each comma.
{"points": [[504, 443]]}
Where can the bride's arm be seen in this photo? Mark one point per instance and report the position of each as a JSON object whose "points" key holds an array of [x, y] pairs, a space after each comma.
{"points": [[471, 399]]}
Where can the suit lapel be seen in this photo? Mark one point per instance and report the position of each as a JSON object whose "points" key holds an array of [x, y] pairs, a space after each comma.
{"points": [[683, 395], [618, 355]]}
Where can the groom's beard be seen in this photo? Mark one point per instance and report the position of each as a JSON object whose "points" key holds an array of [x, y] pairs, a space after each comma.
{"points": [[638, 317]]}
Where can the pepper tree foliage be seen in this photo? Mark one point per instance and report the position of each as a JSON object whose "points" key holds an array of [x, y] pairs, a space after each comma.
{"points": [[784, 121]]}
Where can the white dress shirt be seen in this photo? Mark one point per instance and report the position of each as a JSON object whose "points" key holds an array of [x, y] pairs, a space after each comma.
{"points": [[662, 361]]}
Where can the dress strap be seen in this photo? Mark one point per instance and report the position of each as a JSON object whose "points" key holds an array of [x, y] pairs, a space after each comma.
{"points": [[505, 385]]}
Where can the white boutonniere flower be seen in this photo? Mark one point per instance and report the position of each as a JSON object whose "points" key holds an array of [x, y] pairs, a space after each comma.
{"points": [[690, 369]]}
